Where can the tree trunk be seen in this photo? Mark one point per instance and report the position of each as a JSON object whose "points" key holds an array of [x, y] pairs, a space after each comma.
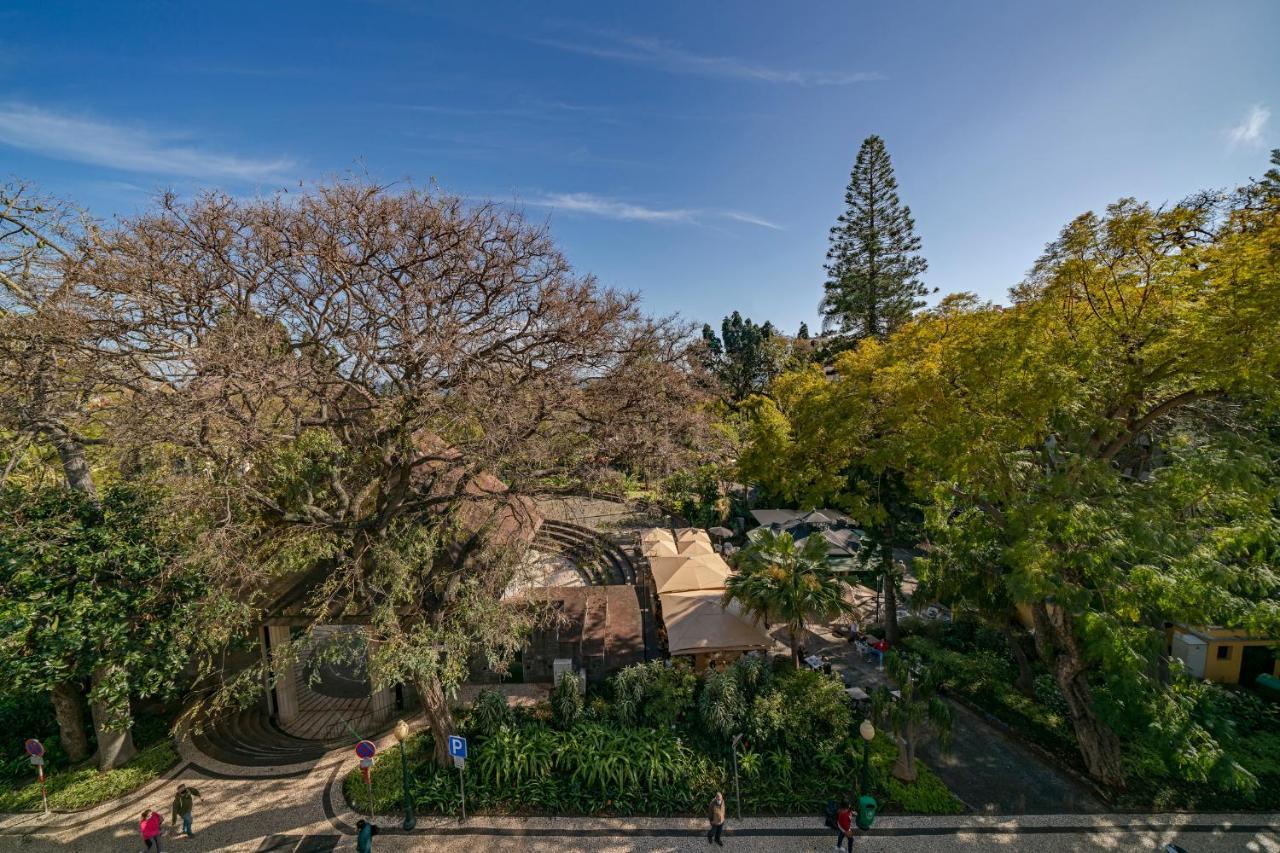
{"points": [[1060, 649], [75, 468], [67, 710], [905, 767], [1025, 681], [890, 598], [112, 726], [794, 632], [439, 718]]}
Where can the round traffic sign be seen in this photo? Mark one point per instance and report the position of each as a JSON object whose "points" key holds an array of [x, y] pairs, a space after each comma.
{"points": [[366, 749], [34, 747]]}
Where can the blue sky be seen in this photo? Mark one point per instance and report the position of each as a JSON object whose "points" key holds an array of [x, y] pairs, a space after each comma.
{"points": [[694, 152]]}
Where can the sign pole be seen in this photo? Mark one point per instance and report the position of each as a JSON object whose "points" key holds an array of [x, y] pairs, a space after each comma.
{"points": [[462, 786], [35, 752], [43, 797]]}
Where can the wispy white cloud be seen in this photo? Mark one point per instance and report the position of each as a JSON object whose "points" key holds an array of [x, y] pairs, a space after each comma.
{"points": [[750, 219], [609, 208], [131, 148], [1249, 130], [612, 208], [644, 50]]}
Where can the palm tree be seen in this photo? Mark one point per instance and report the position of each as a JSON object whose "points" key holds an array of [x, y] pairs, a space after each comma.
{"points": [[780, 580], [908, 715]]}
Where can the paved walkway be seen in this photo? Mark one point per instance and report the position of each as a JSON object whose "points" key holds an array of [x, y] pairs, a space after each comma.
{"points": [[989, 771], [305, 811]]}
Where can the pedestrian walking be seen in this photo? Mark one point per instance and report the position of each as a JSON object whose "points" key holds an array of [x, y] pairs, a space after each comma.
{"points": [[365, 832], [149, 826], [844, 827], [182, 804], [715, 814]]}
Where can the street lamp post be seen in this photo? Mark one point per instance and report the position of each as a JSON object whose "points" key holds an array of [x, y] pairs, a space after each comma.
{"points": [[868, 733], [402, 735]]}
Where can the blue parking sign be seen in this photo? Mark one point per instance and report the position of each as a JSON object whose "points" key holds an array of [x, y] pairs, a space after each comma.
{"points": [[457, 746]]}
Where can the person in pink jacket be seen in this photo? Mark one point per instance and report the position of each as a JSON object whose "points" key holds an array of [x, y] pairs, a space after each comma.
{"points": [[149, 826]]}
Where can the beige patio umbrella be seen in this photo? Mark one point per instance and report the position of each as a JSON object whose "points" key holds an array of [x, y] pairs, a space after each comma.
{"points": [[697, 623], [655, 534], [695, 548], [682, 574], [659, 548], [687, 534]]}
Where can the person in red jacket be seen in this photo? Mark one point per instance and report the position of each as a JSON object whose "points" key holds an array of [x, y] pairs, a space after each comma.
{"points": [[149, 826], [844, 827]]}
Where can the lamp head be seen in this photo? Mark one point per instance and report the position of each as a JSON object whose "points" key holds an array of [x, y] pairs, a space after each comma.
{"points": [[867, 730], [402, 731]]}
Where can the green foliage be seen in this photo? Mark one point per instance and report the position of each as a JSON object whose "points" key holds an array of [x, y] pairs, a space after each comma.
{"points": [[653, 694], [800, 711], [873, 263], [85, 786], [85, 585], [778, 581], [721, 705], [567, 703], [490, 712], [607, 768], [745, 358], [695, 495]]}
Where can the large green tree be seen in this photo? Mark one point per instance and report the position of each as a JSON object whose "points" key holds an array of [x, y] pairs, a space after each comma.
{"points": [[87, 594], [1100, 436], [745, 357], [780, 580], [874, 262]]}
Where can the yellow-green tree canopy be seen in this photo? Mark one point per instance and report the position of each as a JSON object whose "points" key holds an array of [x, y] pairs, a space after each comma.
{"points": [[1107, 439]]}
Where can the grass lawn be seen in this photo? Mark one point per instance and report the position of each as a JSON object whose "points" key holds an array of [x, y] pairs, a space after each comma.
{"points": [[83, 786]]}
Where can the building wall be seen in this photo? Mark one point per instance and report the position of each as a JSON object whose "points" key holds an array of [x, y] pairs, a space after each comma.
{"points": [[1227, 670]]}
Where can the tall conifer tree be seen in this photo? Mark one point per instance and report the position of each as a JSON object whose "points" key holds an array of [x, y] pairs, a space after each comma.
{"points": [[874, 263]]}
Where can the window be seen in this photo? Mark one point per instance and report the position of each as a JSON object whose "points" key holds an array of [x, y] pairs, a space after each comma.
{"points": [[1224, 653]]}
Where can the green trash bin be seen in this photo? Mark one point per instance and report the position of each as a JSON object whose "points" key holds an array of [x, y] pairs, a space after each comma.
{"points": [[867, 808]]}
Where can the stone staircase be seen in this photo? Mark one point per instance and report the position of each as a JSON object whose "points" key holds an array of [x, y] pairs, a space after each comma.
{"points": [[601, 560]]}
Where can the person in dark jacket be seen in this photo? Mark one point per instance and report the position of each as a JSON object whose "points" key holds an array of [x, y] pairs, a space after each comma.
{"points": [[715, 815], [182, 805], [365, 832]]}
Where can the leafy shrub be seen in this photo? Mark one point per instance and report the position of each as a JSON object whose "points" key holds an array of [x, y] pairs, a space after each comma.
{"points": [[567, 703], [653, 694], [753, 674], [490, 712], [721, 705]]}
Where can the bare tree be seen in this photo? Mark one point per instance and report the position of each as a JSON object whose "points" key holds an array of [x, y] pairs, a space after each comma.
{"points": [[356, 390]]}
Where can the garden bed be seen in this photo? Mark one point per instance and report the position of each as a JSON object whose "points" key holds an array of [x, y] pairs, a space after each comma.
{"points": [[83, 786], [665, 752]]}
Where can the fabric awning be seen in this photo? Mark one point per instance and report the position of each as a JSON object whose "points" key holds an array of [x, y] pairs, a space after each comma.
{"points": [[697, 623], [696, 547], [659, 548], [682, 574], [655, 534]]}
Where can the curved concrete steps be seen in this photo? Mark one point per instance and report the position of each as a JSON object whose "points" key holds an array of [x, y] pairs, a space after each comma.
{"points": [[598, 557]]}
